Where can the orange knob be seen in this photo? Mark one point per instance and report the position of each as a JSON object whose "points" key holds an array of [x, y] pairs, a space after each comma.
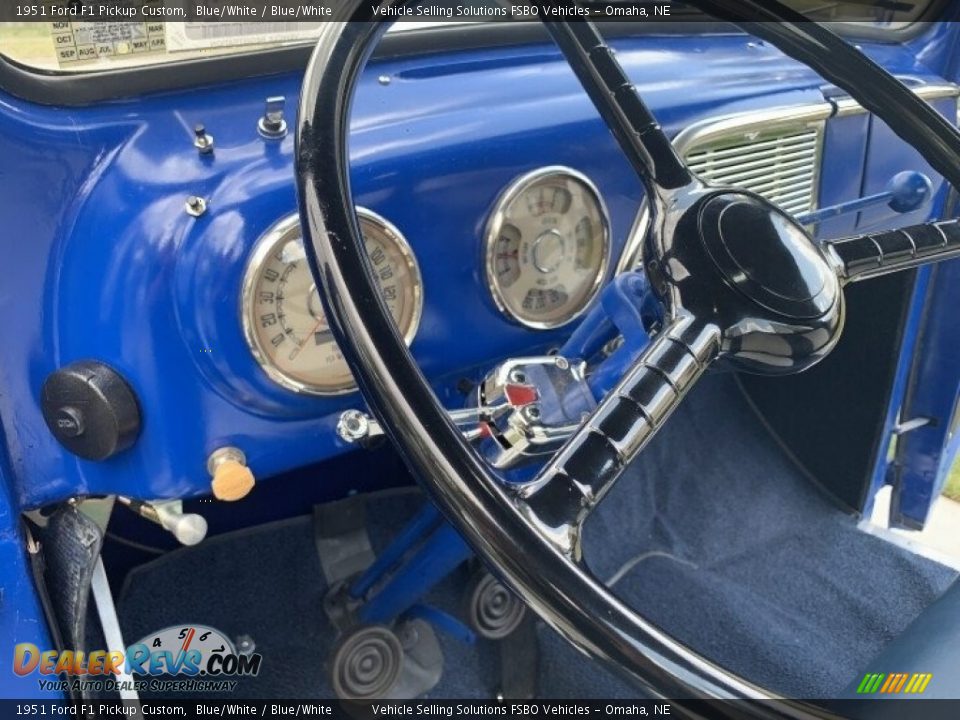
{"points": [[232, 479]]}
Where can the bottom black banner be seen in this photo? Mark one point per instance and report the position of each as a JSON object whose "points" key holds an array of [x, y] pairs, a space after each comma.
{"points": [[873, 709]]}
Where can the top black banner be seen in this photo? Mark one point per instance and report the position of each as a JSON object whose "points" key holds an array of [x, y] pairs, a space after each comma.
{"points": [[304, 11]]}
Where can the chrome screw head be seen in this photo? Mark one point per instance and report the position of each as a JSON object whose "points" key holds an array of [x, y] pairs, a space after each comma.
{"points": [[196, 206], [353, 426]]}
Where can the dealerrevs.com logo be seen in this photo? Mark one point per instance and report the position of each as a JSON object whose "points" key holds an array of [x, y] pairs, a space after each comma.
{"points": [[178, 658]]}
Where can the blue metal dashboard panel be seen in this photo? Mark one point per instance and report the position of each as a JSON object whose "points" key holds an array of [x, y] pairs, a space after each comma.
{"points": [[102, 261]]}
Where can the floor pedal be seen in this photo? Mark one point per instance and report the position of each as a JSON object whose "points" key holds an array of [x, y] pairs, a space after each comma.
{"points": [[375, 662], [520, 661], [340, 534]]}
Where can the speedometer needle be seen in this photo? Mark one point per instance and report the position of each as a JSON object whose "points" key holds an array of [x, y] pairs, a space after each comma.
{"points": [[303, 342]]}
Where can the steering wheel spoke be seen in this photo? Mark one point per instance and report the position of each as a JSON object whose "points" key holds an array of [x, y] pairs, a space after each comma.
{"points": [[874, 254], [633, 125], [585, 469]]}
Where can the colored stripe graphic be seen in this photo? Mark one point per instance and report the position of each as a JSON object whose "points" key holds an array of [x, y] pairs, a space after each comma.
{"points": [[918, 683], [870, 683], [891, 682], [894, 683], [903, 680]]}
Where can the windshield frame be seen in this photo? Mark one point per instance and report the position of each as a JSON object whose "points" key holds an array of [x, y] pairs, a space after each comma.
{"points": [[75, 88]]}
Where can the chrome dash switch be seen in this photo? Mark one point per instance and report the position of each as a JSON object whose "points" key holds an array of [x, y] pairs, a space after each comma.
{"points": [[272, 125], [202, 140]]}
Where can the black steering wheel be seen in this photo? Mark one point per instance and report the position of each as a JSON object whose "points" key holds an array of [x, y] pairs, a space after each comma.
{"points": [[740, 281]]}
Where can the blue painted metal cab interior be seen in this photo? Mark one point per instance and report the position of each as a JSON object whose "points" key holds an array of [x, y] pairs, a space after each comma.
{"points": [[100, 260]]}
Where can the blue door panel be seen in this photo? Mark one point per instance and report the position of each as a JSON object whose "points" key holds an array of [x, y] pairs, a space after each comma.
{"points": [[924, 456]]}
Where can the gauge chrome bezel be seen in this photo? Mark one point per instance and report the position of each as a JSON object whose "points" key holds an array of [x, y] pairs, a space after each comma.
{"points": [[284, 231], [495, 222]]}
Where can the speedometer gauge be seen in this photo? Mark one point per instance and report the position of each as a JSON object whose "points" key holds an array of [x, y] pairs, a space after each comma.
{"points": [[283, 319], [547, 247]]}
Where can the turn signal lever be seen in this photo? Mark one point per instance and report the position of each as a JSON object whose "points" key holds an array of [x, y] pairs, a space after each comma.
{"points": [[526, 409], [356, 426], [187, 528]]}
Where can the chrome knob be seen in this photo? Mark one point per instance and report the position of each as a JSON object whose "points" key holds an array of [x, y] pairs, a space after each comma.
{"points": [[272, 125], [187, 528]]}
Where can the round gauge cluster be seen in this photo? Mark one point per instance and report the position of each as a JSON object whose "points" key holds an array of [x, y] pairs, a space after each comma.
{"points": [[283, 318], [547, 247]]}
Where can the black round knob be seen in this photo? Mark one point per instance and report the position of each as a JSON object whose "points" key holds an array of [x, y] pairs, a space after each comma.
{"points": [[90, 409]]}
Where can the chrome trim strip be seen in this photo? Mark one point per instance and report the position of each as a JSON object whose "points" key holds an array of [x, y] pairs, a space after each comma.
{"points": [[932, 91], [110, 624], [727, 126], [631, 248]]}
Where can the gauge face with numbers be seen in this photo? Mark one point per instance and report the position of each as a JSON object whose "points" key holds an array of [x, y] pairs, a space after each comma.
{"points": [[547, 247], [177, 638], [283, 319]]}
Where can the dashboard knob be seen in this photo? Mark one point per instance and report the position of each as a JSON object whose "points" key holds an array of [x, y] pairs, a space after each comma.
{"points": [[232, 479], [90, 409], [272, 125], [188, 528]]}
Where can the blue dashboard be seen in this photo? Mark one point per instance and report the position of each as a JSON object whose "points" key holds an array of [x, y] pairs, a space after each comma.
{"points": [[100, 259]]}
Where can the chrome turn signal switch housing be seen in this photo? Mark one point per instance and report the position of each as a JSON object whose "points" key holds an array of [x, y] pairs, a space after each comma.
{"points": [[528, 407], [523, 410]]}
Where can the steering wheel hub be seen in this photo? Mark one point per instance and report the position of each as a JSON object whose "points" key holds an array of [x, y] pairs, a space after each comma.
{"points": [[767, 256]]}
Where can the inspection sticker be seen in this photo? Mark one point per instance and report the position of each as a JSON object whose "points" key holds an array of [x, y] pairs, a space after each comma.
{"points": [[88, 41], [80, 41]]}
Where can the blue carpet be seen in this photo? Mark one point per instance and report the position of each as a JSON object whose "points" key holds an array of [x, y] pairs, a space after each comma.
{"points": [[738, 556], [713, 533]]}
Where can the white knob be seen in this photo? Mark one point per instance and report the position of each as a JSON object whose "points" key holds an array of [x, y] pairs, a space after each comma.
{"points": [[187, 528]]}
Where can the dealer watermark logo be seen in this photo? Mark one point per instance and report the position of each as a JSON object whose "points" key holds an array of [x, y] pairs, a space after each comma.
{"points": [[181, 657], [894, 683]]}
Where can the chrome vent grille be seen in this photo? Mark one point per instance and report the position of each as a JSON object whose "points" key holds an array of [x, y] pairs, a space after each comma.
{"points": [[781, 165]]}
